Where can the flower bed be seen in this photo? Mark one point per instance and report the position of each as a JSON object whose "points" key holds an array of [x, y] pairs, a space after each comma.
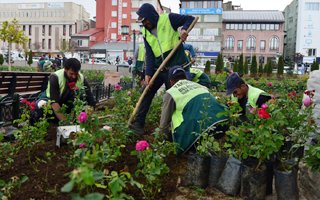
{"points": [[106, 160]]}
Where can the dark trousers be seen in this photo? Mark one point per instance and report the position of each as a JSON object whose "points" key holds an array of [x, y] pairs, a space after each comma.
{"points": [[161, 79]]}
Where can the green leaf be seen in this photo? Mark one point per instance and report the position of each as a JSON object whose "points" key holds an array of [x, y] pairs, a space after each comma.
{"points": [[94, 196], [68, 187]]}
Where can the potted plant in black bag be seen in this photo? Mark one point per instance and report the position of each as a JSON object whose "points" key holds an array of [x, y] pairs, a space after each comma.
{"points": [[297, 128], [253, 143]]}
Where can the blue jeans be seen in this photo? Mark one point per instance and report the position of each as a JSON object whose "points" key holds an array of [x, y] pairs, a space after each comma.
{"points": [[161, 79]]}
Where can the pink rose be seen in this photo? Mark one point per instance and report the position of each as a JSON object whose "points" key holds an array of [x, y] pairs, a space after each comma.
{"points": [[263, 114], [81, 146], [129, 93], [117, 87], [83, 117], [269, 84], [264, 106], [142, 145], [307, 101]]}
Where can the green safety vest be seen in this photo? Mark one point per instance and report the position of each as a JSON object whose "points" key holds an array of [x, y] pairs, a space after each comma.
{"points": [[193, 102], [253, 95], [141, 53], [167, 38], [62, 82], [197, 73]]}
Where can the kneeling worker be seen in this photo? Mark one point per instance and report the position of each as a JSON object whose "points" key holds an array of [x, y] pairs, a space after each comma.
{"points": [[190, 108], [62, 86], [246, 95]]}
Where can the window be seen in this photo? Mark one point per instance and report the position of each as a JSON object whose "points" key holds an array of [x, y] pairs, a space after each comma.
{"points": [[30, 30], [113, 24], [232, 26], [254, 26], [240, 26], [43, 43], [229, 43], [240, 44], [272, 27], [24, 28], [210, 31], [124, 4], [195, 32], [49, 44], [191, 5], [311, 52], [236, 27], [64, 30], [251, 42], [267, 27], [70, 30], [210, 4], [274, 43], [227, 26], [114, 13], [276, 27], [249, 26], [114, 2], [50, 30], [258, 26], [262, 45], [198, 4], [113, 36], [43, 30], [263, 27], [312, 6], [124, 16]]}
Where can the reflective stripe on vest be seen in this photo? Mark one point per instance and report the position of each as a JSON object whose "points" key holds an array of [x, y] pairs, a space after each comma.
{"points": [[182, 92], [141, 53], [197, 73], [62, 82], [167, 38], [253, 95]]}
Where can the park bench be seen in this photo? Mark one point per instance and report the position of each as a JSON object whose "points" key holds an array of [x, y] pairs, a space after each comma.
{"points": [[16, 85]]}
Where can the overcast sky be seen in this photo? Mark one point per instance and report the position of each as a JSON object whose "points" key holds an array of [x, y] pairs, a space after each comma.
{"points": [[90, 5]]}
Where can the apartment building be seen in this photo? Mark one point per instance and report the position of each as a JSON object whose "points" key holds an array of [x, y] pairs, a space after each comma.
{"points": [[48, 25], [302, 31], [206, 36], [253, 32]]}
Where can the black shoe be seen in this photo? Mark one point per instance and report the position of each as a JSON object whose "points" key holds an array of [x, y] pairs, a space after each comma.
{"points": [[137, 128]]}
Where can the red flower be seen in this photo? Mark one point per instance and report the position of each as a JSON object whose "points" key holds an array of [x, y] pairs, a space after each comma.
{"points": [[72, 86], [32, 105], [292, 94], [262, 113], [24, 101]]}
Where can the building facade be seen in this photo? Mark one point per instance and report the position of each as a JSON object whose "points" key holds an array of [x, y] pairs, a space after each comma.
{"points": [[259, 33], [116, 30], [303, 30], [49, 26], [206, 36]]}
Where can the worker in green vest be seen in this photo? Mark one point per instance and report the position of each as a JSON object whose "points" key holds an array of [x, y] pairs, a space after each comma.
{"points": [[161, 35], [62, 87], [247, 96], [189, 109], [139, 67], [198, 76]]}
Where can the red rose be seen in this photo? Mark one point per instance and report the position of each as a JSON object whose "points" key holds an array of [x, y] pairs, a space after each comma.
{"points": [[263, 114], [24, 101], [72, 86], [32, 105]]}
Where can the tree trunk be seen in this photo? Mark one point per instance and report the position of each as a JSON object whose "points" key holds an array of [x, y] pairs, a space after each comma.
{"points": [[9, 56]]}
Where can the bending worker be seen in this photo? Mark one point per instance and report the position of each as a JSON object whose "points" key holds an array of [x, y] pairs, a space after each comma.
{"points": [[190, 108], [160, 34]]}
